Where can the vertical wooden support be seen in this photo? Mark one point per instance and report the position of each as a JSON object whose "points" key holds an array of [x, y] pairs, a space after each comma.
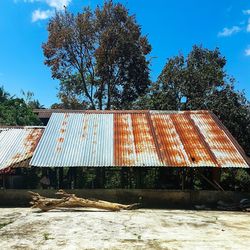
{"points": [[4, 181], [183, 179], [122, 177], [136, 171], [103, 177], [155, 177], [131, 177], [99, 177], [191, 172], [216, 174], [60, 182]]}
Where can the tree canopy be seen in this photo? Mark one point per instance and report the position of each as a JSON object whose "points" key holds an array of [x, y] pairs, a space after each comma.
{"points": [[15, 111], [200, 81], [99, 57]]}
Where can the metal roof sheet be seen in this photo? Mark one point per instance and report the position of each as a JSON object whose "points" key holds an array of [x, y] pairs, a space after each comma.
{"points": [[46, 113], [137, 138], [17, 145]]}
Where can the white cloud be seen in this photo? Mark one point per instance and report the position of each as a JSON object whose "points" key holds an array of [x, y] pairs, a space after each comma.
{"points": [[247, 51], [41, 14], [44, 14], [58, 4], [229, 31], [247, 12]]}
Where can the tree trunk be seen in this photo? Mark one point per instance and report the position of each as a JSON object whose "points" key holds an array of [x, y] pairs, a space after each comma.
{"points": [[71, 201]]}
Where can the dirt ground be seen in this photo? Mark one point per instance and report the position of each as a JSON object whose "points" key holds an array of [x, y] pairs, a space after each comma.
{"points": [[23, 228]]}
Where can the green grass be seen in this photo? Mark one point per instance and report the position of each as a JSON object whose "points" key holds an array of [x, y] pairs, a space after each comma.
{"points": [[46, 236], [4, 224]]}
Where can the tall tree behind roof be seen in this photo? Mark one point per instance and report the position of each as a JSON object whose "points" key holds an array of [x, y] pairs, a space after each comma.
{"points": [[103, 51], [200, 81]]}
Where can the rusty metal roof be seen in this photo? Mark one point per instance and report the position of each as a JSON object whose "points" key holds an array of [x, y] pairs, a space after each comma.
{"points": [[17, 145], [46, 113], [138, 138]]}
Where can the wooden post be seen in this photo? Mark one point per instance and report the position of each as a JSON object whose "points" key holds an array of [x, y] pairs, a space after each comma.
{"points": [[183, 179], [122, 172], [191, 172], [210, 182], [103, 177], [137, 177], [4, 181], [131, 177], [155, 177], [60, 177], [216, 174]]}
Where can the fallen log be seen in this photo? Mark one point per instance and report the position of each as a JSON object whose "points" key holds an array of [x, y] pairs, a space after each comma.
{"points": [[72, 201]]}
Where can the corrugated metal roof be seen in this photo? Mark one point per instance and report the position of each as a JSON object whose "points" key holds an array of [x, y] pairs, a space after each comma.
{"points": [[17, 145], [137, 138], [46, 113]]}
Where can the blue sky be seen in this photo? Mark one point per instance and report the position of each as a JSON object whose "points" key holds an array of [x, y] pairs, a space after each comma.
{"points": [[171, 26]]}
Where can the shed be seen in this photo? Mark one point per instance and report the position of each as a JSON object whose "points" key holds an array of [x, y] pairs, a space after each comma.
{"points": [[17, 145], [137, 139]]}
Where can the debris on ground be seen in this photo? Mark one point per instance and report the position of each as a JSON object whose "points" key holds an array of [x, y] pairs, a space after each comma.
{"points": [[243, 205], [201, 207], [72, 201]]}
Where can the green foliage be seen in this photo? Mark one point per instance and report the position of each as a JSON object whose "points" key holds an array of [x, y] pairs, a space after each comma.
{"points": [[112, 178], [28, 98], [242, 179], [14, 111], [80, 178], [3, 224], [70, 93], [46, 236], [89, 177], [201, 80], [197, 82], [99, 57], [235, 179], [149, 179], [4, 96]]}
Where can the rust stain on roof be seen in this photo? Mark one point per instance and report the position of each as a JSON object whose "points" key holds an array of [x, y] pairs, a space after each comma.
{"points": [[171, 144], [33, 139], [17, 145], [145, 146], [138, 138], [197, 152], [124, 150], [61, 139], [223, 148]]}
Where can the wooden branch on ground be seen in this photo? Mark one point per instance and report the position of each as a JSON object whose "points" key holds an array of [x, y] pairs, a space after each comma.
{"points": [[72, 201]]}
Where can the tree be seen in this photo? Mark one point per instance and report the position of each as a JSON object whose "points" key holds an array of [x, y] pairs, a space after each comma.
{"points": [[28, 98], [70, 94], [201, 82], [99, 56], [3, 95], [14, 111]]}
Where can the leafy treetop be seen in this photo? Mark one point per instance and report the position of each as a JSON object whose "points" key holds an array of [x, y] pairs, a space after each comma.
{"points": [[99, 57]]}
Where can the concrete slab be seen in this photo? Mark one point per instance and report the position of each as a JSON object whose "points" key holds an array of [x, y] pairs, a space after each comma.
{"points": [[24, 228]]}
